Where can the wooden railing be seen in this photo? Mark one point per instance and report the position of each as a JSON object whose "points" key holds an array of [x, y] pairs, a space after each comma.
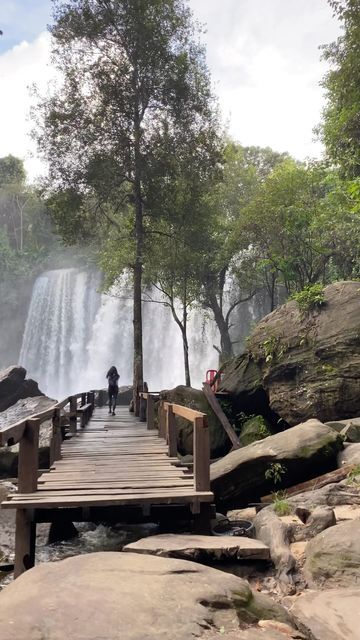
{"points": [[166, 414], [26, 433]]}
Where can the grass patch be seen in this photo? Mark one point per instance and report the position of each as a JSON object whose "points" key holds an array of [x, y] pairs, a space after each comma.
{"points": [[281, 504]]}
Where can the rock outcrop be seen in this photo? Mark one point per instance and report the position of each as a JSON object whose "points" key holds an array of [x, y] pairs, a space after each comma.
{"points": [[301, 364], [13, 387], [195, 399], [20, 410], [126, 595], [246, 474], [333, 556], [329, 615]]}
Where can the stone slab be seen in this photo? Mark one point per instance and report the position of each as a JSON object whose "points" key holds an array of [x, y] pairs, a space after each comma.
{"points": [[197, 546]]}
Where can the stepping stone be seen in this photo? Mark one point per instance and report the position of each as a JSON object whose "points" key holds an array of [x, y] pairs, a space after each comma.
{"points": [[194, 547]]}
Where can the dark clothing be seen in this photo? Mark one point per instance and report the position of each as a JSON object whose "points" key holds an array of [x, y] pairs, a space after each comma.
{"points": [[113, 389]]}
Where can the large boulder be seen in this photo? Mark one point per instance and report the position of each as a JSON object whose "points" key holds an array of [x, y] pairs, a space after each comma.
{"points": [[125, 595], [333, 556], [19, 411], [350, 455], [13, 387], [195, 399], [328, 615], [284, 459], [299, 364]]}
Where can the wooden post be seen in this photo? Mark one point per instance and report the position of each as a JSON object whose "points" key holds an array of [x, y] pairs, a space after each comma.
{"points": [[83, 399], [150, 411], [171, 432], [142, 410], [201, 454], [73, 418], [27, 483], [162, 420], [55, 446], [25, 536], [29, 457]]}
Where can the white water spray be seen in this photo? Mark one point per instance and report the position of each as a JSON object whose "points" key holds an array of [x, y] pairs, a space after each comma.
{"points": [[73, 334]]}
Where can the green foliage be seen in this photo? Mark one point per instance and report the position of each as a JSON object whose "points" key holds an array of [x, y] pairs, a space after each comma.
{"points": [[353, 477], [340, 127], [281, 504], [275, 472], [310, 298], [26, 236]]}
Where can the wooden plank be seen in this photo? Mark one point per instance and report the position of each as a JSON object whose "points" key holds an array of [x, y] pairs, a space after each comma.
{"points": [[185, 412], [215, 405], [316, 483], [172, 497]]}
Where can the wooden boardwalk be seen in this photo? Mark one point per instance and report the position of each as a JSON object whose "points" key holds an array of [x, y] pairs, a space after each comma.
{"points": [[105, 470], [115, 460]]}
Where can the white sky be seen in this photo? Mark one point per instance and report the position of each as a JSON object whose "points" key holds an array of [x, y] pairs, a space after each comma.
{"points": [[263, 56]]}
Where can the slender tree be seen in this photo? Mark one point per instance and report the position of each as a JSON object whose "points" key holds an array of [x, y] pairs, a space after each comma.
{"points": [[130, 71]]}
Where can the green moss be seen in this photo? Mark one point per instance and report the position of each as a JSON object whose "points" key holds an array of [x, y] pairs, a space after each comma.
{"points": [[259, 607], [253, 429]]}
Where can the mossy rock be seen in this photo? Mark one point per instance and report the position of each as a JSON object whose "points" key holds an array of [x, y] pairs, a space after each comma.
{"points": [[256, 428], [195, 399]]}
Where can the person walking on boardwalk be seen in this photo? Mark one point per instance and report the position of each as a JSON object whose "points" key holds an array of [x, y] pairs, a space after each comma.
{"points": [[113, 389]]}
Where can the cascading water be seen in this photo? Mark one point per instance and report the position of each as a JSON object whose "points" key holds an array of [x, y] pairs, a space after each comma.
{"points": [[73, 334]]}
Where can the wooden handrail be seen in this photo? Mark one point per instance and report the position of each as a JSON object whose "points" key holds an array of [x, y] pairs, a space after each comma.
{"points": [[167, 429]]}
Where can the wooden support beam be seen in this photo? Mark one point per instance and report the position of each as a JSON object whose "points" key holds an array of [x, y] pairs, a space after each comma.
{"points": [[201, 454], [215, 405], [25, 537], [171, 431]]}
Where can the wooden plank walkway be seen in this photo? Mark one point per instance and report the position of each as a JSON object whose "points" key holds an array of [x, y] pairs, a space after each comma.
{"points": [[114, 460]]}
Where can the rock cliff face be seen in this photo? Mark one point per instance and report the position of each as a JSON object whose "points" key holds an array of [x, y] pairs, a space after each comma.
{"points": [[14, 387], [302, 364]]}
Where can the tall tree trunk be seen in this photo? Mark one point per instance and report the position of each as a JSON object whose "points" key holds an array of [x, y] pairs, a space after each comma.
{"points": [[138, 267], [226, 350], [186, 348]]}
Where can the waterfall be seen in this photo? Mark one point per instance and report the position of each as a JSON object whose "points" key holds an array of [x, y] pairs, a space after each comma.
{"points": [[73, 334]]}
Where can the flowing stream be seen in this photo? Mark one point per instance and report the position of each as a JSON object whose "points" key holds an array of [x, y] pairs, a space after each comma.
{"points": [[73, 334]]}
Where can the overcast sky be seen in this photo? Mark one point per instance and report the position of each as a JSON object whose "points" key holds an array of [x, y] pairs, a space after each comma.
{"points": [[263, 55]]}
